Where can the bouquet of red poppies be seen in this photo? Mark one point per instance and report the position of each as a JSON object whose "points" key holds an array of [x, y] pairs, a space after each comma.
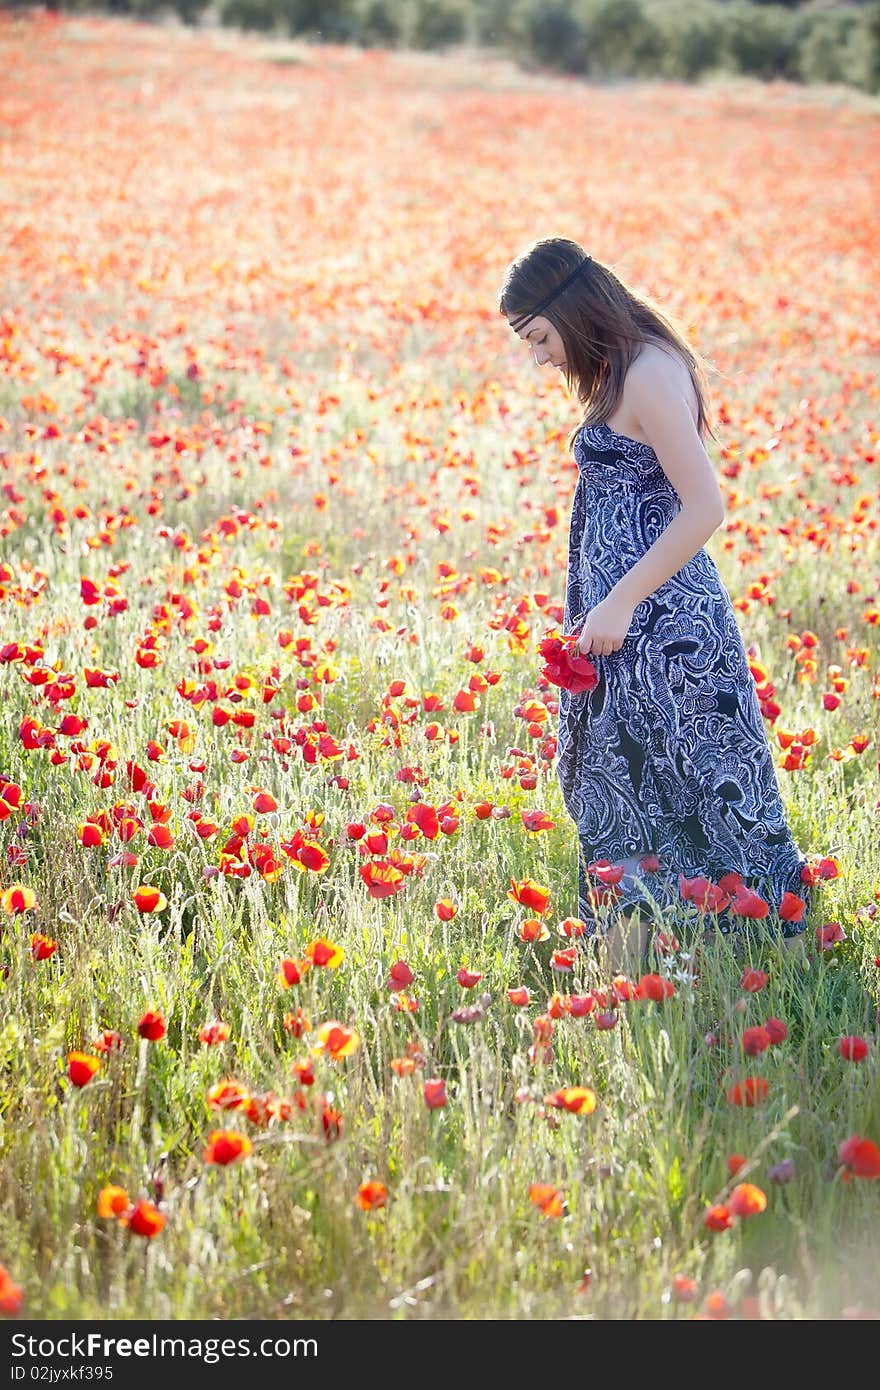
{"points": [[565, 666]]}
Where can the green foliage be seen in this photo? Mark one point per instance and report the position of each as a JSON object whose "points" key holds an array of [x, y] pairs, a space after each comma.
{"points": [[680, 39]]}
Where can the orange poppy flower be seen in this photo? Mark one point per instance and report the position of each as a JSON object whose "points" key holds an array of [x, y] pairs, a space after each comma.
{"points": [[371, 1196], [577, 1100], [747, 1200], [227, 1095], [112, 1202], [519, 997], [751, 1091], [533, 930], [547, 1197]]}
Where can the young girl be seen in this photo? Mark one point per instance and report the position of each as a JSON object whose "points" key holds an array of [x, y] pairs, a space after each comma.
{"points": [[664, 764]]}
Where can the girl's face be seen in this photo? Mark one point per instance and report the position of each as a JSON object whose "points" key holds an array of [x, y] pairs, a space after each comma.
{"points": [[545, 342]]}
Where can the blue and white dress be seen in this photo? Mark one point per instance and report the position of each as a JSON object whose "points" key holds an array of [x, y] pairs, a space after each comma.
{"points": [[667, 755]]}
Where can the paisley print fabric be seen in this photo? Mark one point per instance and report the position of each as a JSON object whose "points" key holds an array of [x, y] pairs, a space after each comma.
{"points": [[667, 756]]}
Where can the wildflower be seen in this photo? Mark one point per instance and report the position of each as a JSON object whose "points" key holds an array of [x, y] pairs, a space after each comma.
{"points": [[860, 1157], [112, 1202], [144, 1219], [399, 976], [830, 935], [372, 1195], [781, 1172], [213, 1033], [577, 1100], [323, 953], [752, 980], [533, 930], [735, 1162], [291, 972], [445, 909], [684, 1289], [149, 899], [11, 1294], [468, 978], [152, 1026], [751, 1091], [755, 1041], [17, 898], [519, 997], [335, 1041], [746, 1200], [718, 1218], [775, 1030], [853, 1049], [547, 1197], [654, 987], [531, 894], [226, 1146], [434, 1092], [81, 1067], [42, 947]]}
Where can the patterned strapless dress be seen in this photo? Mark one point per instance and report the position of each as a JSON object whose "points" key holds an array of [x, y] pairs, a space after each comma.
{"points": [[665, 765]]}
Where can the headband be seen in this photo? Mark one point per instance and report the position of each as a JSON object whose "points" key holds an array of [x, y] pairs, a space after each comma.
{"points": [[522, 319]]}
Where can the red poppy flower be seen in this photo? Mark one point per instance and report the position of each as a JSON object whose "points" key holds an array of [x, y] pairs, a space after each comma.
{"points": [[324, 953], [399, 976], [435, 1093], [519, 997], [830, 935], [853, 1049], [11, 1295], [81, 1067], [792, 908], [755, 1041], [735, 1162], [144, 1219], [533, 930], [226, 1146], [112, 1203], [565, 666], [382, 880], [291, 972], [213, 1033], [577, 1100], [17, 899], [531, 894], [152, 1026], [746, 903], [468, 978], [751, 1091], [654, 987], [752, 980], [42, 947], [684, 1289], [860, 1157], [775, 1030], [149, 899], [718, 1218]]}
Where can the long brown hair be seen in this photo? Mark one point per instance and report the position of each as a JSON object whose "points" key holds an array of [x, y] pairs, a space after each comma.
{"points": [[602, 324]]}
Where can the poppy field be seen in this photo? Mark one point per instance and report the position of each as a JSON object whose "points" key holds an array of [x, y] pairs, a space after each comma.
{"points": [[296, 1017]]}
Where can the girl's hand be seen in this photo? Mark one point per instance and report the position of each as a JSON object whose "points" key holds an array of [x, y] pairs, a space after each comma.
{"points": [[605, 627]]}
